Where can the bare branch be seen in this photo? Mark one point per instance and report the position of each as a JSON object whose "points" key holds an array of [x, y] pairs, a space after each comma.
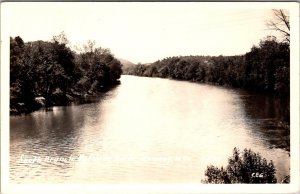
{"points": [[280, 23]]}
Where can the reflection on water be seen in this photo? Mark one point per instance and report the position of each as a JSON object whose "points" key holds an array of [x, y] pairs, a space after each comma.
{"points": [[267, 113], [270, 106], [146, 130], [53, 133]]}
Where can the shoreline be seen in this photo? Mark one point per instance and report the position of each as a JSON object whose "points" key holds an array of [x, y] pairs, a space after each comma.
{"points": [[67, 99]]}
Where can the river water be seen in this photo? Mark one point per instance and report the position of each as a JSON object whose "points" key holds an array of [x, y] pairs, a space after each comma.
{"points": [[146, 130]]}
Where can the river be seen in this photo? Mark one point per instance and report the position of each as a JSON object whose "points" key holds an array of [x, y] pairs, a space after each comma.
{"points": [[146, 130]]}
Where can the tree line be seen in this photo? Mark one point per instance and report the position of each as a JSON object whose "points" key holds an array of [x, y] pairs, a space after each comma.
{"points": [[264, 69], [47, 73]]}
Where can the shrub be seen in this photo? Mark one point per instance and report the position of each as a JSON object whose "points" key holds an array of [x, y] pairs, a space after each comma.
{"points": [[246, 167]]}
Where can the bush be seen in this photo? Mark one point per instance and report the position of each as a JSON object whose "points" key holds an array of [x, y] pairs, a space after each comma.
{"points": [[247, 167]]}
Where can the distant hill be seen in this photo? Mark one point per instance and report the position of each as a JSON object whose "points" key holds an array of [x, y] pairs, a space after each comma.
{"points": [[126, 64]]}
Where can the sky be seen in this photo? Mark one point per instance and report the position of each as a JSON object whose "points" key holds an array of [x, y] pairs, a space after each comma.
{"points": [[144, 32]]}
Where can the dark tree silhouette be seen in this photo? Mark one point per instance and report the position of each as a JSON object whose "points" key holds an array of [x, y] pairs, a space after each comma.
{"points": [[245, 167], [52, 71]]}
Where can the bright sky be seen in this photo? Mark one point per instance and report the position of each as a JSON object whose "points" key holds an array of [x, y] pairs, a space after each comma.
{"points": [[144, 32]]}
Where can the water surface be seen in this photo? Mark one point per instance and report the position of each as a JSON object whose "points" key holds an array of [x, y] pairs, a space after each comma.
{"points": [[146, 130]]}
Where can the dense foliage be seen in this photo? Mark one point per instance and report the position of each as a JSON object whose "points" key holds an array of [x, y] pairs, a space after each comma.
{"points": [[50, 73], [248, 167], [265, 68]]}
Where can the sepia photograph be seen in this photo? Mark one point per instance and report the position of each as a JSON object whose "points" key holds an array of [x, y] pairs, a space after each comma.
{"points": [[157, 97]]}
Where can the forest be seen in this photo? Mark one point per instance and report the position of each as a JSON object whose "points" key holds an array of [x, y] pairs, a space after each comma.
{"points": [[48, 73], [264, 69]]}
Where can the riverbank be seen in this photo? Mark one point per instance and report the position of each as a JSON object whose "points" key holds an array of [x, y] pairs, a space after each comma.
{"points": [[57, 99], [49, 73], [264, 69]]}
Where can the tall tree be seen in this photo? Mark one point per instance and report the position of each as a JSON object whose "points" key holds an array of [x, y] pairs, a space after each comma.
{"points": [[61, 38], [281, 23]]}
